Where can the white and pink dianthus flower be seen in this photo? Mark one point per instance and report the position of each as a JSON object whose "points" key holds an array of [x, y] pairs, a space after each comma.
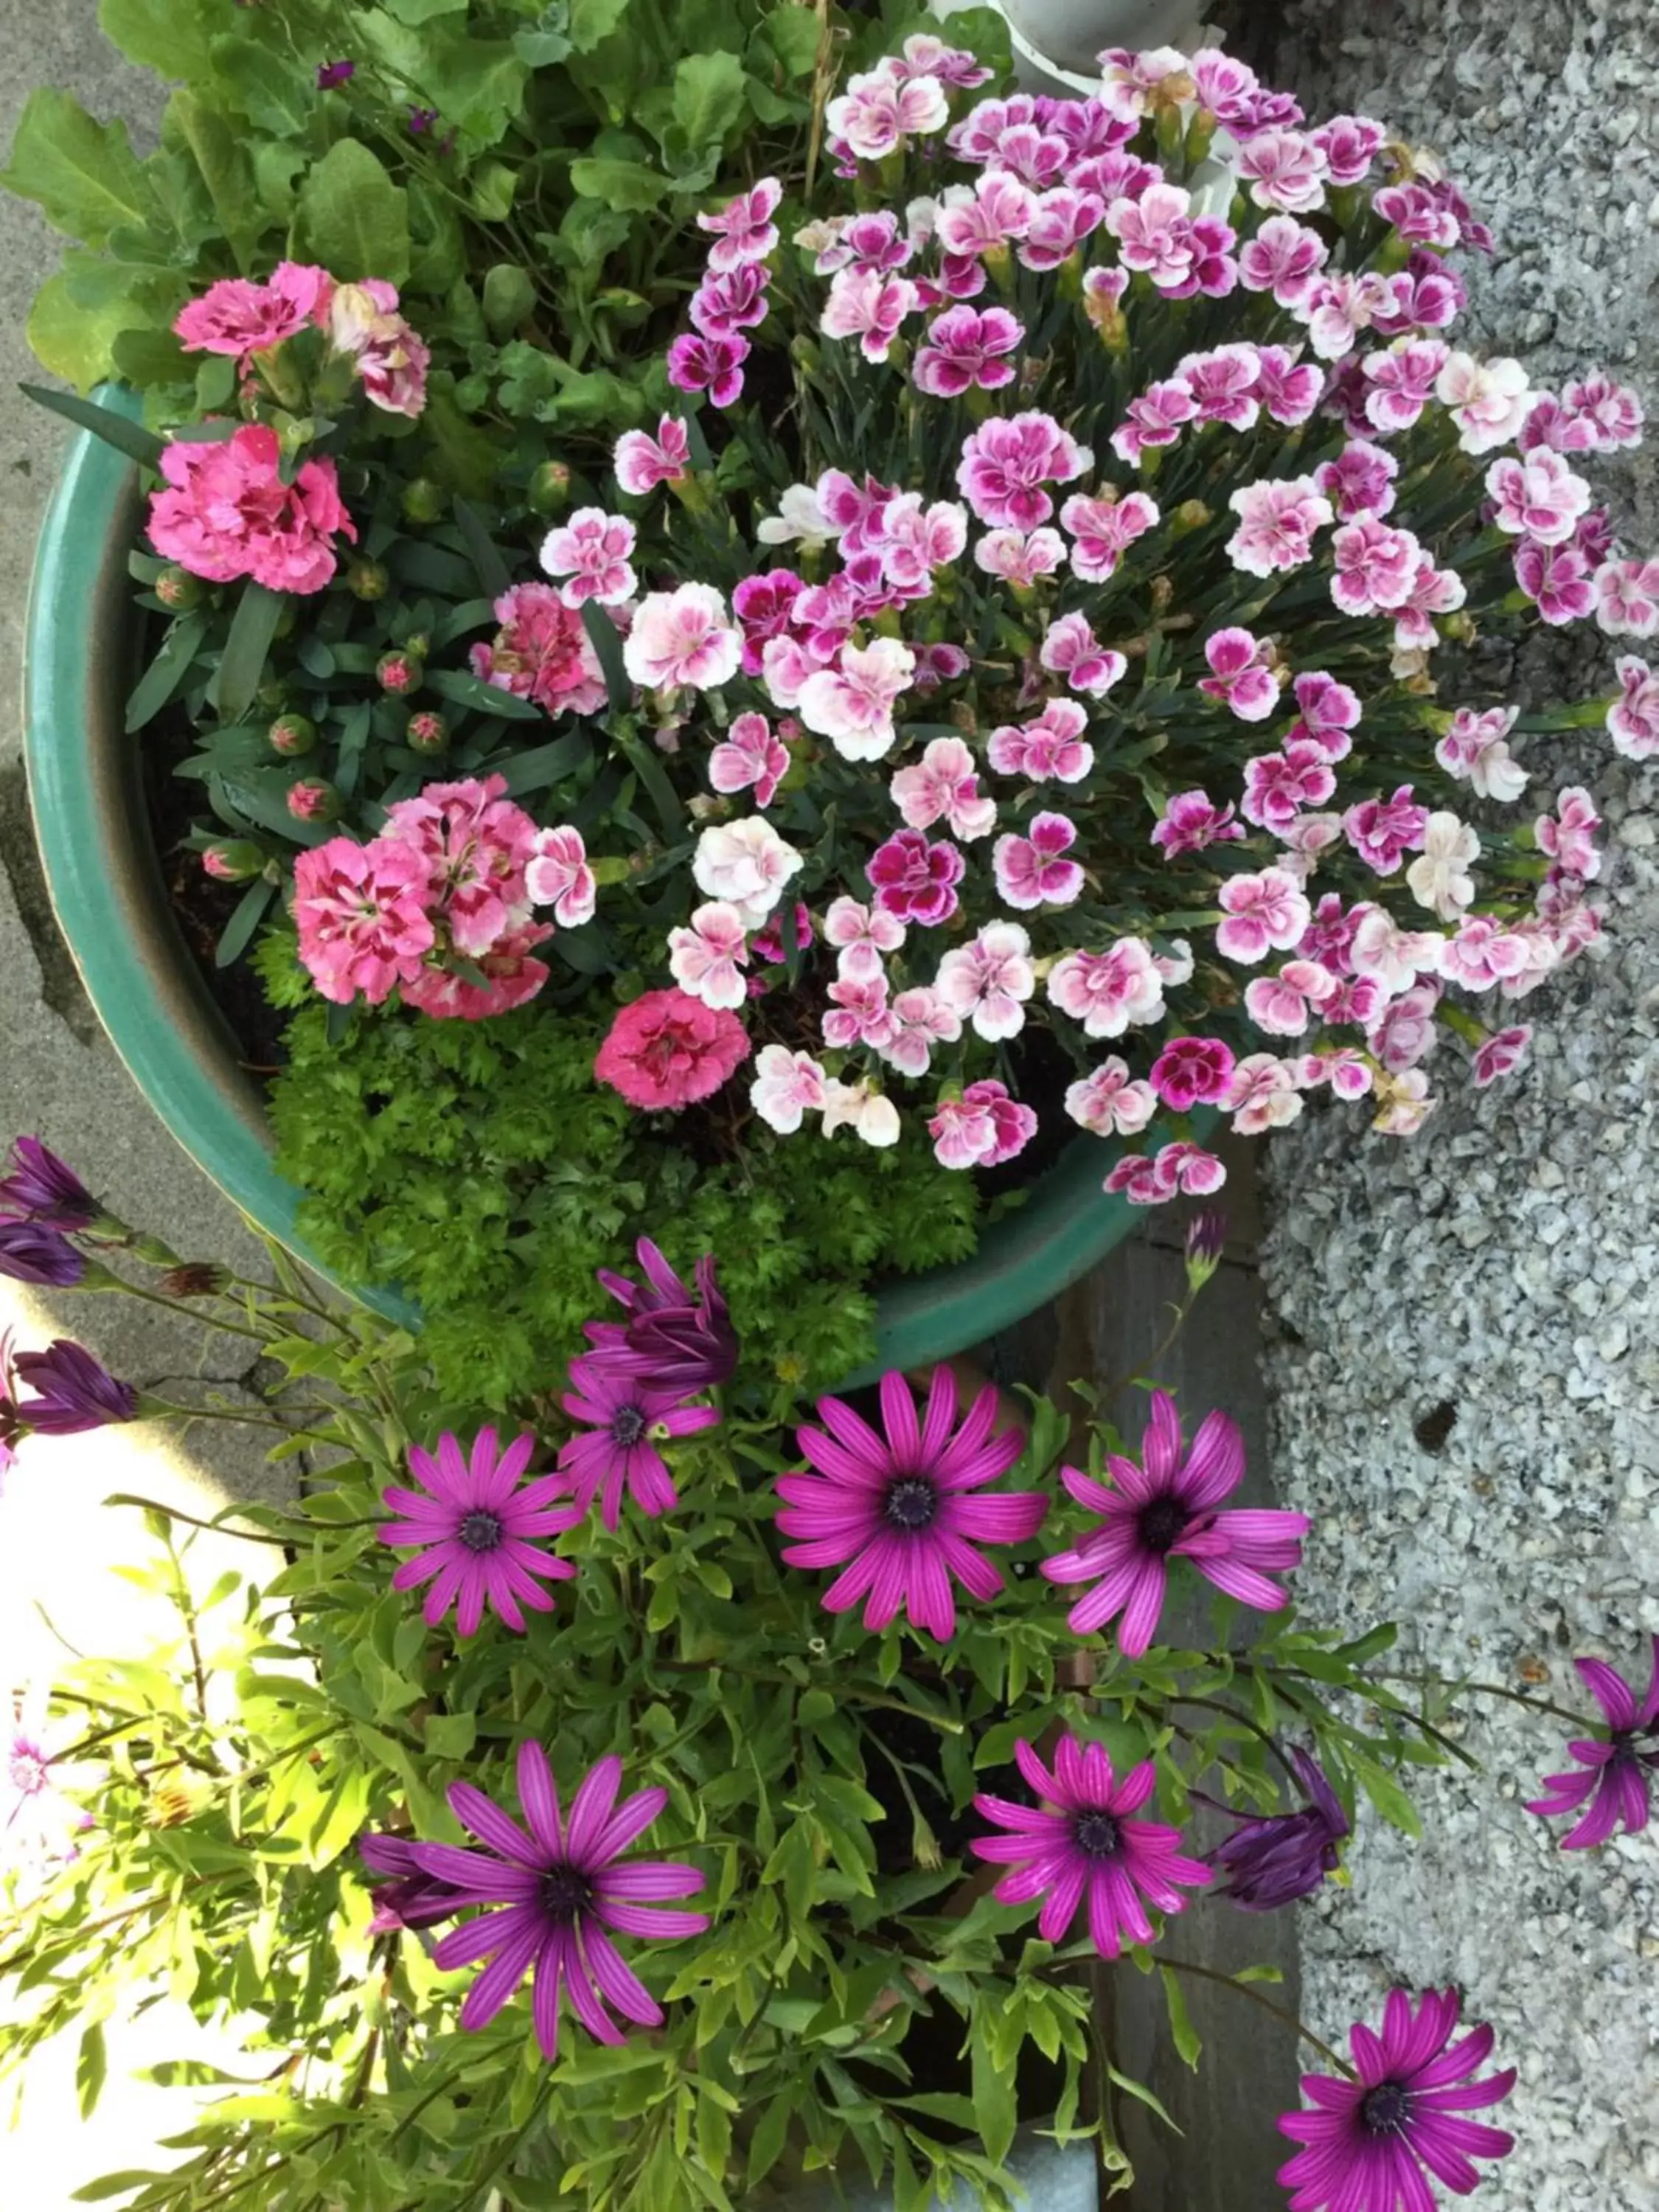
{"points": [[1279, 786], [1376, 566], [877, 112], [1475, 747], [1360, 480], [1326, 712], [1241, 675], [1627, 598], [866, 305], [1634, 717], [749, 758], [920, 1020], [1007, 460], [643, 462], [683, 637], [1539, 497], [1288, 389], [589, 556], [788, 1086], [1395, 956], [745, 864], [860, 1107], [964, 348], [1283, 1004], [1500, 1055], [986, 218], [1031, 869], [852, 702], [706, 959], [861, 936], [1109, 1102], [1277, 519], [1483, 952], [558, 875], [981, 1128], [1070, 649], [1155, 419], [1402, 382], [1222, 383], [944, 785], [1439, 877], [1062, 218], [1284, 171], [1489, 400], [1264, 1093], [1338, 307], [1383, 830], [1103, 528], [1405, 1103], [986, 982], [1284, 258], [1568, 835], [1191, 821], [742, 229], [1109, 991], [1051, 746], [1022, 558], [860, 1013], [1266, 912], [1433, 591]]}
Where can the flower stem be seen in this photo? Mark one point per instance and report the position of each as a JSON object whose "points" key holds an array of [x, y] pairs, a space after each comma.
{"points": [[1247, 1990]]}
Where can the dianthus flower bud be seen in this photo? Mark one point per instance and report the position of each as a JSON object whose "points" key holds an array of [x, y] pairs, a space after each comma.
{"points": [[292, 735], [399, 670], [1191, 515], [313, 799], [233, 861], [427, 733], [550, 488], [422, 500], [177, 589], [368, 580]]}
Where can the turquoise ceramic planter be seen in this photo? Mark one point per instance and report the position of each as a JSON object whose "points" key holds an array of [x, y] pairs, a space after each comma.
{"points": [[106, 890]]}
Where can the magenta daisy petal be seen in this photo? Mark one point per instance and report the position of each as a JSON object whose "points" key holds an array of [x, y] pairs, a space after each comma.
{"points": [[1367, 2141], [627, 1419], [900, 1513], [1164, 1508], [1611, 1772], [1090, 1849], [559, 1884], [471, 1525]]}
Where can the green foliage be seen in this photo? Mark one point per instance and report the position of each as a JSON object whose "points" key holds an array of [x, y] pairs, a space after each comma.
{"points": [[543, 109], [819, 1777], [477, 1166]]}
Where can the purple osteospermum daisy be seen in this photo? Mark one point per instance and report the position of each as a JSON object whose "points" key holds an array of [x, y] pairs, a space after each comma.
{"points": [[406, 1896], [35, 1252], [1367, 2141], [675, 1338], [1090, 1849], [1273, 1860], [562, 1890], [1165, 1508], [898, 1508], [43, 1188], [625, 1417], [475, 1527], [12, 1426], [1612, 1769], [75, 1393]]}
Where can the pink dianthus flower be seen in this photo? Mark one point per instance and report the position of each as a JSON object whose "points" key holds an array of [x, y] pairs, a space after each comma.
{"points": [[666, 1050]]}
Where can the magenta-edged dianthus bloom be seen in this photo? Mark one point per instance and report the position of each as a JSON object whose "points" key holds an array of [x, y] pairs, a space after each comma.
{"points": [[1088, 1849], [1366, 2142], [1610, 1771], [899, 1508], [1164, 1508], [476, 1530], [561, 1890], [625, 1417]]}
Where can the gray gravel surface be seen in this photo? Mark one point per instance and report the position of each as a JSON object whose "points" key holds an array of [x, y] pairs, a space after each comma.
{"points": [[1504, 1264]]}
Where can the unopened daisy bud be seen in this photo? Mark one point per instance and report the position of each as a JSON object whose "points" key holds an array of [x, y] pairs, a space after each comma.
{"points": [[177, 589], [550, 488], [427, 733], [422, 500], [292, 735], [233, 861], [368, 580], [924, 1844], [314, 799], [195, 1278], [1206, 1239], [1191, 515], [399, 670]]}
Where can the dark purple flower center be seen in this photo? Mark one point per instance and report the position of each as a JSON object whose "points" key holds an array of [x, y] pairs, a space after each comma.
{"points": [[911, 1502], [480, 1532], [627, 1425], [566, 1893], [1097, 1835], [1384, 2110], [1160, 1523]]}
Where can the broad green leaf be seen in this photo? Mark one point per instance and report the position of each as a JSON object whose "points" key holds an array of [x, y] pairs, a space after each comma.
{"points": [[145, 357], [793, 34], [628, 186], [75, 341], [1384, 1792], [1187, 2042], [416, 12], [220, 153], [351, 216], [708, 96], [117, 430], [508, 297], [91, 2067], [169, 36], [114, 2184], [275, 167], [993, 2101], [593, 19], [602, 635], [450, 1735], [766, 2144], [479, 83], [267, 88], [80, 173], [242, 667]]}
